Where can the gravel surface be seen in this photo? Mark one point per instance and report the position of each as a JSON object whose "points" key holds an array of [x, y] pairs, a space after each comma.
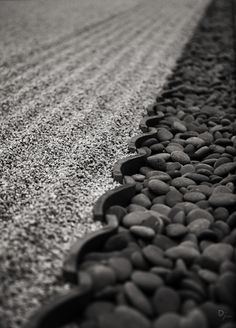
{"points": [[75, 78]]}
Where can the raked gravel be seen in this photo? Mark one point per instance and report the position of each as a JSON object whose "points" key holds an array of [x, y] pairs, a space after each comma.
{"points": [[75, 78]]}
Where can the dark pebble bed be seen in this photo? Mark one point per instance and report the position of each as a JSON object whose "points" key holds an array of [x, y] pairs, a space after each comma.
{"points": [[172, 263]]}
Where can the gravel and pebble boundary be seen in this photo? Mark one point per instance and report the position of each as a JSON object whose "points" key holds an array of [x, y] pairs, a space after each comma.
{"points": [[68, 121], [167, 256]]}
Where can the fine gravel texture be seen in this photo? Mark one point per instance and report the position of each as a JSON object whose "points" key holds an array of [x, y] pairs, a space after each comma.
{"points": [[75, 79]]}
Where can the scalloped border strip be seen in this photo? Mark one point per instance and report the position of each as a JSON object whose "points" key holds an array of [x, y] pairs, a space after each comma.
{"points": [[118, 196], [137, 141], [150, 121], [128, 166], [61, 310]]}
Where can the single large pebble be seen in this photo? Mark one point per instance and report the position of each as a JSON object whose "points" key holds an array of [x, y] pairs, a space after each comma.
{"points": [[161, 208], [151, 251], [219, 252], [182, 182], [137, 298], [202, 152], [174, 147], [166, 300], [194, 196], [135, 218], [157, 148], [176, 230], [142, 232], [138, 177], [102, 276], [198, 226], [208, 276], [173, 197], [188, 168], [147, 281], [156, 163], [163, 134], [199, 214], [185, 253], [180, 156], [222, 199], [141, 200], [194, 319], [168, 320], [195, 141], [122, 267], [158, 187], [225, 169], [131, 318], [179, 127]]}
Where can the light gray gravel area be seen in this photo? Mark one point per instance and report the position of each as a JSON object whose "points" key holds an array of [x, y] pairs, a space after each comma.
{"points": [[75, 79]]}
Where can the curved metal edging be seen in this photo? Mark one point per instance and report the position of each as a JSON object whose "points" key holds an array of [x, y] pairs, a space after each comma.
{"points": [[136, 142], [118, 196], [62, 310], [128, 166], [149, 121]]}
